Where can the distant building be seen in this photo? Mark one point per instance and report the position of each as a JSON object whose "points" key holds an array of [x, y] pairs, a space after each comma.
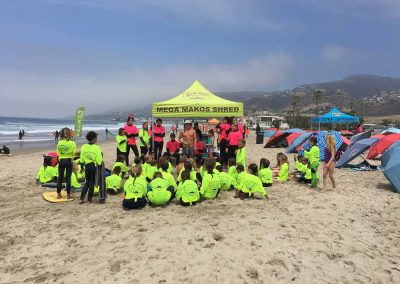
{"points": [[266, 121]]}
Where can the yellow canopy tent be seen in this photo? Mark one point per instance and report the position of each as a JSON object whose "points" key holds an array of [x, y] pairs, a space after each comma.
{"points": [[197, 101]]}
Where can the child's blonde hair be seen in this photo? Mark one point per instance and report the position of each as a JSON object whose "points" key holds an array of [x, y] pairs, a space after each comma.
{"points": [[330, 141]]}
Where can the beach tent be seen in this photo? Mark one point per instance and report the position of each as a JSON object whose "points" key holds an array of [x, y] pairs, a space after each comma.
{"points": [[321, 143], [382, 145], [386, 156], [391, 169], [336, 116], [360, 136], [284, 138], [269, 132], [294, 130], [346, 132], [391, 130], [355, 150], [298, 142], [277, 140], [197, 101], [213, 121]]}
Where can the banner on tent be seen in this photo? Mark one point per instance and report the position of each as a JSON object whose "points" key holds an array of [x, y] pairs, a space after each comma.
{"points": [[200, 109], [79, 121]]}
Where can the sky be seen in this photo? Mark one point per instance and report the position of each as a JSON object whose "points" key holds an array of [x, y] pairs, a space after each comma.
{"points": [[57, 55]]}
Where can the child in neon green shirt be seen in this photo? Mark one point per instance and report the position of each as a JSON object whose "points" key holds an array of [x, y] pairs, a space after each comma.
{"points": [[160, 191], [265, 172], [188, 192], [251, 184], [114, 181], [211, 183], [313, 157]]}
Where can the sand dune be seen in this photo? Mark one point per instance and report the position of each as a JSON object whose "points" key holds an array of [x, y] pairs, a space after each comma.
{"points": [[299, 234]]}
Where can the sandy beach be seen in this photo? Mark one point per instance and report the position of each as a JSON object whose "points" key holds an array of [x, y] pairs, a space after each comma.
{"points": [[298, 235]]}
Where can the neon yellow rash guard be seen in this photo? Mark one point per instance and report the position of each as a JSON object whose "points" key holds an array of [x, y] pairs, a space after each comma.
{"points": [[121, 143], [192, 174], [114, 182], [312, 155], [135, 188], [66, 149], [241, 157], [210, 186], [170, 178], [45, 174], [91, 153], [299, 166], [159, 194], [233, 172], [188, 192], [124, 168], [252, 184], [74, 181], [225, 180], [151, 170], [283, 174], [240, 177], [145, 136], [265, 175]]}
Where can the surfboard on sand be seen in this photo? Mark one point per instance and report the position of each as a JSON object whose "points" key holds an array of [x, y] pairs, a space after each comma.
{"points": [[51, 196]]}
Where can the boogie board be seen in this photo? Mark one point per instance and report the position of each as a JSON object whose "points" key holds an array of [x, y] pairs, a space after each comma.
{"points": [[51, 196]]}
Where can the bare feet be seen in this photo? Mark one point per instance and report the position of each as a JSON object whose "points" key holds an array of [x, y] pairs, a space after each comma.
{"points": [[59, 196], [69, 196], [82, 201]]}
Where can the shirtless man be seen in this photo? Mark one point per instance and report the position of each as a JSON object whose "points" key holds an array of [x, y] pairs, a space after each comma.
{"points": [[188, 138]]}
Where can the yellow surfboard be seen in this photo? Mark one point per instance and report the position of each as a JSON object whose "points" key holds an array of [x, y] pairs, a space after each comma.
{"points": [[51, 196]]}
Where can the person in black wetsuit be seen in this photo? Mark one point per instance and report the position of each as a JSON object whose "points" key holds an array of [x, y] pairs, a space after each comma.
{"points": [[5, 150]]}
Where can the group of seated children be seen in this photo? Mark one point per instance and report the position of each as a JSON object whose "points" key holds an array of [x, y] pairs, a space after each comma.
{"points": [[144, 186]]}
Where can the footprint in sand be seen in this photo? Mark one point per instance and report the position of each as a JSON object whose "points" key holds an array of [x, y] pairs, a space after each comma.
{"points": [[252, 273], [218, 237]]}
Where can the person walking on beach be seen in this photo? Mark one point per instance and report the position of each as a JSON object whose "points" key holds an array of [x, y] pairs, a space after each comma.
{"points": [[66, 150], [56, 135], [131, 132], [188, 138], [329, 161]]}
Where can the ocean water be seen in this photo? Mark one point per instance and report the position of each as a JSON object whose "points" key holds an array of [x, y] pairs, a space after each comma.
{"points": [[39, 132]]}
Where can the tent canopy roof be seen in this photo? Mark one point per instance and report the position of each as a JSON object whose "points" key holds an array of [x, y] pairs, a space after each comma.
{"points": [[197, 101], [336, 116]]}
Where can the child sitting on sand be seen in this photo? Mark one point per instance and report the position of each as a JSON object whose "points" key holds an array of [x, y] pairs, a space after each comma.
{"points": [[305, 174], [241, 173], [283, 174], [160, 192], [187, 193], [182, 161], [135, 190], [163, 166], [187, 167], [121, 164], [276, 168], [114, 181], [313, 157], [227, 182], [211, 183], [251, 184], [46, 172], [232, 168], [265, 173], [151, 170]]}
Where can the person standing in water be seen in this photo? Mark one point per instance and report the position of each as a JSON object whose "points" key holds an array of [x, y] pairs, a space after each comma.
{"points": [[66, 150], [131, 132]]}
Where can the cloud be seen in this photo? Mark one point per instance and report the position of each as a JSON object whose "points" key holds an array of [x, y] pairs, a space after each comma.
{"points": [[232, 14], [59, 94], [335, 53]]}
